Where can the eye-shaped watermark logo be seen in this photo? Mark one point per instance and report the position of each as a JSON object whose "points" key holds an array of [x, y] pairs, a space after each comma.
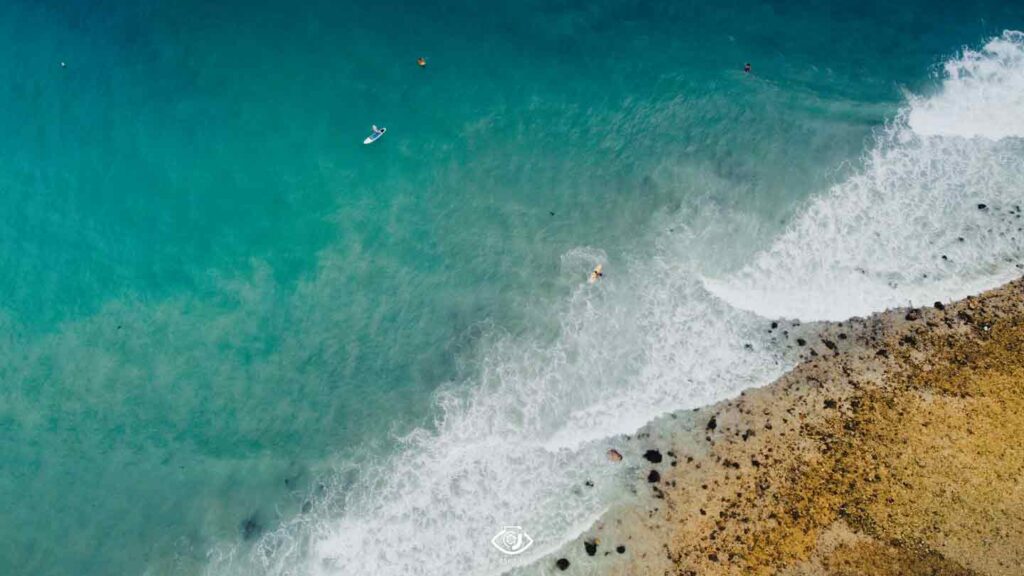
{"points": [[512, 540]]}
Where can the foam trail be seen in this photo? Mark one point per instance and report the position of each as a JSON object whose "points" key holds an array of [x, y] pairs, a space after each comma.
{"points": [[516, 443], [933, 215]]}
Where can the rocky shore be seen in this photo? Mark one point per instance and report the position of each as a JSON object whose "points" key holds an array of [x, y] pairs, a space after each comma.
{"points": [[895, 447]]}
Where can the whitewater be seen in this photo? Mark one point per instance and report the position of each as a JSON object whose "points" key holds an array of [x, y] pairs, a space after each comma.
{"points": [[932, 213]]}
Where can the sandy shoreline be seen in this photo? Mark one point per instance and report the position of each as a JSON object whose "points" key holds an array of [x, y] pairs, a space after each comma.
{"points": [[894, 447]]}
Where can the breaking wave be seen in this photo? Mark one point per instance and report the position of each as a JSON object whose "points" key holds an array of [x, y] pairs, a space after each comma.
{"points": [[934, 214], [931, 215]]}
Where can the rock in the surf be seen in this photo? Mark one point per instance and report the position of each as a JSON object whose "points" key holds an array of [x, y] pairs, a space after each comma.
{"points": [[652, 456]]}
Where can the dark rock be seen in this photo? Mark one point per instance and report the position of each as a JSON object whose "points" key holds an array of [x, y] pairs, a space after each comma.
{"points": [[830, 403], [589, 484], [829, 344], [882, 352], [940, 306], [620, 549], [982, 206], [591, 547], [801, 342], [913, 314], [562, 564], [654, 477], [775, 325], [713, 423], [652, 456], [251, 528]]}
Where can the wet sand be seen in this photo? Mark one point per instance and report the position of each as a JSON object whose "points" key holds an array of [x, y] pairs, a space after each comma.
{"points": [[896, 446]]}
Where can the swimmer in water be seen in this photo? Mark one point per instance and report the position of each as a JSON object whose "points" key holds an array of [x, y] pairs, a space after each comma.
{"points": [[746, 68], [422, 62], [597, 274]]}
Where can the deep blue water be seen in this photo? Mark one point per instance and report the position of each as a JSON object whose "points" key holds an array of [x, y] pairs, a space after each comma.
{"points": [[213, 296]]}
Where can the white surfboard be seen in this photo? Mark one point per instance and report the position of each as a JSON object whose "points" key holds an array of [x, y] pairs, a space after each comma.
{"points": [[375, 136]]}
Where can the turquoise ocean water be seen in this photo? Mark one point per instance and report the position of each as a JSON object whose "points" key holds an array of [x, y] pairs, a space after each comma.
{"points": [[234, 340]]}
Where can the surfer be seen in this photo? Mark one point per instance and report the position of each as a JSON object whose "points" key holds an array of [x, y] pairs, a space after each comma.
{"points": [[377, 133], [596, 274], [746, 68], [422, 62]]}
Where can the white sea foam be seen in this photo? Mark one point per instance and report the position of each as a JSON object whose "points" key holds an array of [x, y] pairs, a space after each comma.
{"points": [[982, 94], [908, 227], [515, 443]]}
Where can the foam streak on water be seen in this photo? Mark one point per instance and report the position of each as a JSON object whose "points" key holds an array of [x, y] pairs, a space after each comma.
{"points": [[515, 442], [933, 215]]}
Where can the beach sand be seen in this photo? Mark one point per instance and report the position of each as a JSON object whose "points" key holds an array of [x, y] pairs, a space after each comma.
{"points": [[893, 447]]}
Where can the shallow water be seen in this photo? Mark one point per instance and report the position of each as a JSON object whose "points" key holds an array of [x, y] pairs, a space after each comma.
{"points": [[220, 309]]}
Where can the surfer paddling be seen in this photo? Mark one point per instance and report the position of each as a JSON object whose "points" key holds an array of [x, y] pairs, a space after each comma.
{"points": [[597, 274], [421, 62]]}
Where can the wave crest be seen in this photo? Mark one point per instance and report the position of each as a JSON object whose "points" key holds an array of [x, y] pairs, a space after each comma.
{"points": [[934, 214]]}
